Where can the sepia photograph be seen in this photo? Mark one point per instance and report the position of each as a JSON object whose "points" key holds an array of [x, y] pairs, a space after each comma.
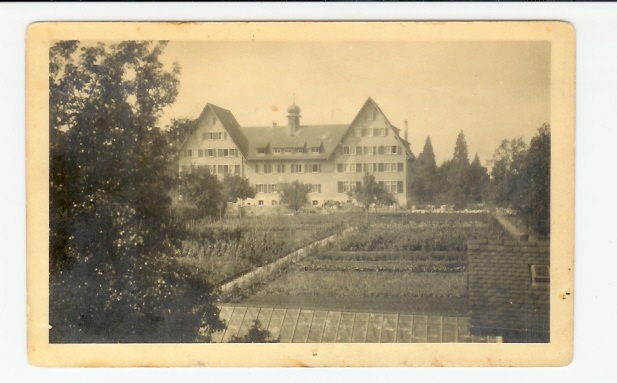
{"points": [[301, 187]]}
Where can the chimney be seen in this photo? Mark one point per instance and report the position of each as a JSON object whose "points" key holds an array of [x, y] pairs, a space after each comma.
{"points": [[406, 131]]}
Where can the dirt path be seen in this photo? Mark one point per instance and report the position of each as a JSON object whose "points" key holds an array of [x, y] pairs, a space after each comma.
{"points": [[509, 226]]}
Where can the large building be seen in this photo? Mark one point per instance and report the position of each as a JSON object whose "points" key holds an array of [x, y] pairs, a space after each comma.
{"points": [[331, 158]]}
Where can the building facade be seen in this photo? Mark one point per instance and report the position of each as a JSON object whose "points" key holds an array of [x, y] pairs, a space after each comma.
{"points": [[331, 158]]}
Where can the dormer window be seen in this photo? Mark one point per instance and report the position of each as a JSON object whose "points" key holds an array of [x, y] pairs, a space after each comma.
{"points": [[300, 151], [287, 151], [261, 151], [315, 150], [277, 151], [540, 275]]}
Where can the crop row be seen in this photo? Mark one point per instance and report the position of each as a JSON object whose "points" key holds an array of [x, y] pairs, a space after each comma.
{"points": [[408, 237], [425, 268], [358, 284], [400, 256]]}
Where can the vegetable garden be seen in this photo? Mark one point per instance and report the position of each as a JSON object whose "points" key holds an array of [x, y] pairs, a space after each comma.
{"points": [[223, 250], [396, 262]]}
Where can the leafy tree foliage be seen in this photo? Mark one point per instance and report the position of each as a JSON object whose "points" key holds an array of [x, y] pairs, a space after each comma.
{"points": [[113, 273], [372, 193], [520, 179], [200, 195], [294, 195], [507, 187], [537, 175], [236, 188]]}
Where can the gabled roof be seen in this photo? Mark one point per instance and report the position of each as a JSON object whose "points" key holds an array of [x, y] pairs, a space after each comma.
{"points": [[307, 136], [405, 144], [501, 296], [230, 124]]}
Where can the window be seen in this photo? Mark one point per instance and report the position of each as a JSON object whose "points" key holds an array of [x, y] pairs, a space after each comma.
{"points": [[314, 188], [287, 151], [211, 153], [387, 167], [315, 150], [274, 202], [315, 202], [277, 151], [237, 169], [200, 153], [267, 168], [370, 168], [380, 132], [313, 168], [280, 168], [260, 202], [348, 186], [189, 152], [261, 151], [540, 275], [296, 168], [300, 151]]}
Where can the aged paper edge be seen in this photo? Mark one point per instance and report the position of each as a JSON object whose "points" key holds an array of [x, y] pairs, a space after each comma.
{"points": [[557, 353]]}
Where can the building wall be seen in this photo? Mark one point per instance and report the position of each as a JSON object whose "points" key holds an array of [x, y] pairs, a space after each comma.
{"points": [[362, 134], [200, 145], [322, 178]]}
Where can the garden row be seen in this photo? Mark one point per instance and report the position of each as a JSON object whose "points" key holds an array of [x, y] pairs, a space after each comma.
{"points": [[427, 237], [223, 251]]}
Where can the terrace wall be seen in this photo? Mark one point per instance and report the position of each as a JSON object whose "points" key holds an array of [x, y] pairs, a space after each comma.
{"points": [[504, 298]]}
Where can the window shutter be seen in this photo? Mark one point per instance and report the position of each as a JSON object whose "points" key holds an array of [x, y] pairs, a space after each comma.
{"points": [[400, 166], [237, 170], [340, 187], [399, 186], [381, 150], [339, 168], [358, 184], [380, 167]]}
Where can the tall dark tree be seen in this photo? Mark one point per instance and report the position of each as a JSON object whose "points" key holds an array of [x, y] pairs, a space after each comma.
{"points": [[424, 183], [537, 176], [478, 179], [113, 275], [456, 174]]}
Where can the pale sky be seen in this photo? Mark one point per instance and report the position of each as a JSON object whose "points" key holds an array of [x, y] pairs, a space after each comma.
{"points": [[490, 90]]}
